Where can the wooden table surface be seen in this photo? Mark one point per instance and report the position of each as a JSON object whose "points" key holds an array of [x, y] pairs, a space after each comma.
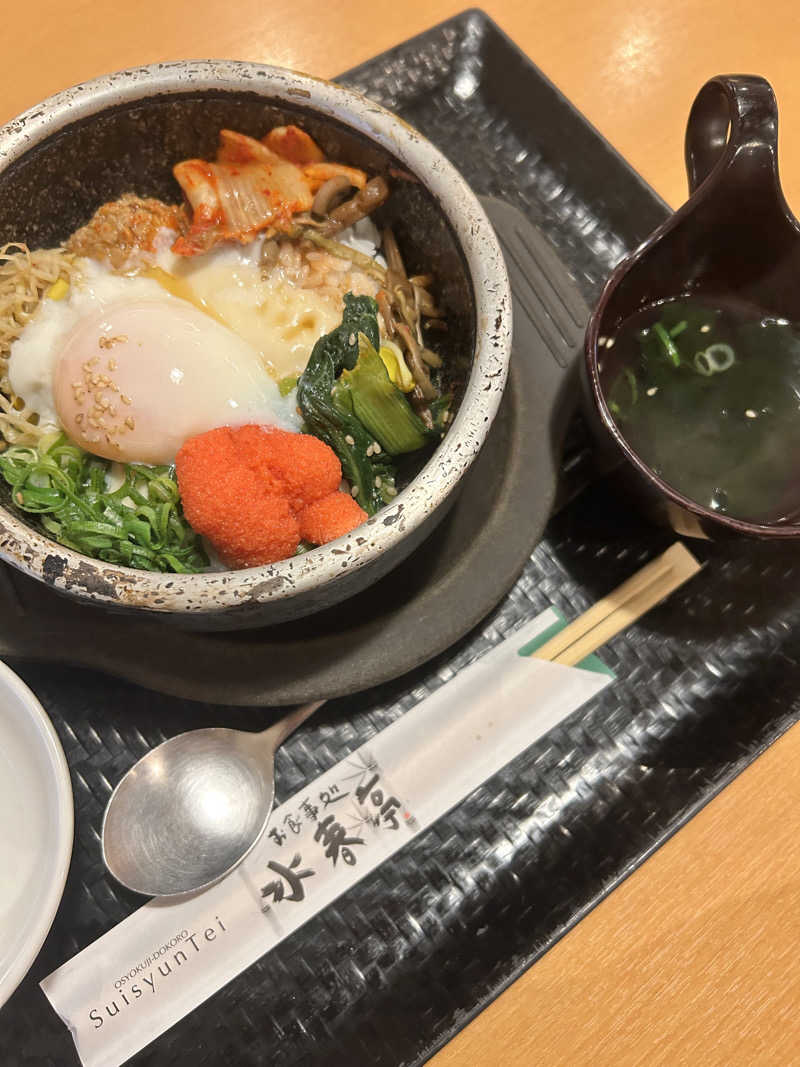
{"points": [[693, 960]]}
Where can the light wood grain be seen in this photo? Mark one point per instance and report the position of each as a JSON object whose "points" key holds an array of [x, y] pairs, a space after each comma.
{"points": [[693, 960]]}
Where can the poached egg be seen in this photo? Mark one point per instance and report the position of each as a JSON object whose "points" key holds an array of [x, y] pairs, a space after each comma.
{"points": [[130, 371]]}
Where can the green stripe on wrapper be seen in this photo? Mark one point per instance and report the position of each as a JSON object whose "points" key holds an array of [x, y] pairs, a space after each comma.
{"points": [[591, 663]]}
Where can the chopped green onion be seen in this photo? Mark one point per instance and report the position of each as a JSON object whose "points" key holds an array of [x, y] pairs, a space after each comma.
{"points": [[720, 356], [140, 524], [681, 326], [702, 365], [670, 349], [714, 359], [615, 398], [631, 377]]}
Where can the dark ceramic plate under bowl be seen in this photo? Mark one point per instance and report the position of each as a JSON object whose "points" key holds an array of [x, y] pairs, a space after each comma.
{"points": [[396, 966]]}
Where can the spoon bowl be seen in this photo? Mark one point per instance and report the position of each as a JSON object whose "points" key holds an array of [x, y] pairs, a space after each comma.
{"points": [[191, 809]]}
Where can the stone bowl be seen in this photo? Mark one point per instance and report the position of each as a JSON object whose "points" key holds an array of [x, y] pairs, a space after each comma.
{"points": [[63, 158]]}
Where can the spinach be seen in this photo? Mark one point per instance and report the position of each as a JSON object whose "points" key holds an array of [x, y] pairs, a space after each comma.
{"points": [[371, 474]]}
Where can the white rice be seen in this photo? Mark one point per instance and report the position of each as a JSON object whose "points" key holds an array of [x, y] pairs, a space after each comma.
{"points": [[306, 265]]}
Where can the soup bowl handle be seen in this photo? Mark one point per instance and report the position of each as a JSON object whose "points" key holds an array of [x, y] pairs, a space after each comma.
{"points": [[733, 123]]}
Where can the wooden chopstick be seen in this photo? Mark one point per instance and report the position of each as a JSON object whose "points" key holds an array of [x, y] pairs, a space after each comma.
{"points": [[620, 608]]}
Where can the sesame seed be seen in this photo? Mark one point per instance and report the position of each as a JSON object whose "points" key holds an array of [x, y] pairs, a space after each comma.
{"points": [[354, 491], [378, 482], [130, 423], [112, 364], [109, 342], [376, 448], [79, 418], [350, 439], [19, 498], [125, 399], [369, 450]]}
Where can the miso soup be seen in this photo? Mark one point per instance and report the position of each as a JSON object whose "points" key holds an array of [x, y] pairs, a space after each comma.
{"points": [[708, 395]]}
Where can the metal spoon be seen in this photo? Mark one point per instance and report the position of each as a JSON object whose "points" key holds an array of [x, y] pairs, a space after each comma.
{"points": [[189, 811]]}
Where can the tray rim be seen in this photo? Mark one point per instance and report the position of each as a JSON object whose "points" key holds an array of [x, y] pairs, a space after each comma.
{"points": [[483, 16]]}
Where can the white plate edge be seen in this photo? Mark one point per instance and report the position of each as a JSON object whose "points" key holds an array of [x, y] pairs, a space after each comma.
{"points": [[66, 812]]}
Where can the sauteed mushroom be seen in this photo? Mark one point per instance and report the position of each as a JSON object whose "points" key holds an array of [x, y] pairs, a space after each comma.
{"points": [[330, 194]]}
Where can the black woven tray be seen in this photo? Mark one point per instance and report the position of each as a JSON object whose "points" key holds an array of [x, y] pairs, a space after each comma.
{"points": [[706, 681]]}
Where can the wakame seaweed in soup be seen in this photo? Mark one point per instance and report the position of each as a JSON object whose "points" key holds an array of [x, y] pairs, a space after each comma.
{"points": [[709, 397]]}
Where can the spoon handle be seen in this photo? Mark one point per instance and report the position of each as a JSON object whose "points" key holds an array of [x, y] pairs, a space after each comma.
{"points": [[278, 733]]}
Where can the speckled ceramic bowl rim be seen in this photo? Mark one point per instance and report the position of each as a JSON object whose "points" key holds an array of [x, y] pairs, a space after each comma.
{"points": [[222, 591]]}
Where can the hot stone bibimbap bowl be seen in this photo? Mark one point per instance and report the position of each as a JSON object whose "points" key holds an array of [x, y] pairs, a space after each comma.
{"points": [[123, 133]]}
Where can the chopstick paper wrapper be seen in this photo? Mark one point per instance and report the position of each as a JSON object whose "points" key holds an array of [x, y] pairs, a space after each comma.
{"points": [[140, 978]]}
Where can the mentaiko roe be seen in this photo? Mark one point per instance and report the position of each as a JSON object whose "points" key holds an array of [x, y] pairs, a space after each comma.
{"points": [[255, 491], [330, 517]]}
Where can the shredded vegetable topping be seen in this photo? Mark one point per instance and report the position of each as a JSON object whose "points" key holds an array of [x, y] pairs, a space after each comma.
{"points": [[25, 278], [140, 524]]}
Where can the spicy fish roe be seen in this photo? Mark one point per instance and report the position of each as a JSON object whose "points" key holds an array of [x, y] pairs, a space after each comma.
{"points": [[330, 517], [255, 491]]}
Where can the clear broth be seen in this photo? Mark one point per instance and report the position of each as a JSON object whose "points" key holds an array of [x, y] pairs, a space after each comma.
{"points": [[708, 395]]}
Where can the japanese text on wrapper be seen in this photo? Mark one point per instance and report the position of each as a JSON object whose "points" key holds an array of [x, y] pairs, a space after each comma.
{"points": [[337, 824]]}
